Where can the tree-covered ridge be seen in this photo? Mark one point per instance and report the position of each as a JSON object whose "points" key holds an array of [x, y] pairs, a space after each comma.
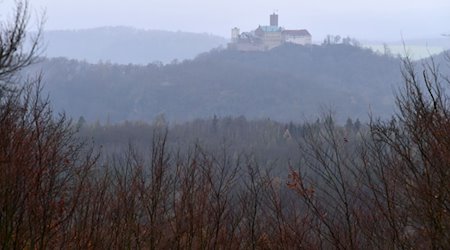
{"points": [[287, 83], [128, 45]]}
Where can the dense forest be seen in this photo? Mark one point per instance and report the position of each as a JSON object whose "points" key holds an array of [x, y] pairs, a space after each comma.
{"points": [[287, 83], [221, 182], [269, 142]]}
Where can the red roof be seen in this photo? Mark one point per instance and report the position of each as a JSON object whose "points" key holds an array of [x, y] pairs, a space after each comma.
{"points": [[296, 33]]}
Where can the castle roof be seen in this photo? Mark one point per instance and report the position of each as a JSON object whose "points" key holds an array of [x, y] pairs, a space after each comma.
{"points": [[296, 33], [270, 28]]}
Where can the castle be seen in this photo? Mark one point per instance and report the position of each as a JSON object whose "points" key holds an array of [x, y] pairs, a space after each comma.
{"points": [[267, 37]]}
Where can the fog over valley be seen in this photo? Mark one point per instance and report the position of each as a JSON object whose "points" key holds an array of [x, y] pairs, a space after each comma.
{"points": [[366, 20], [126, 45]]}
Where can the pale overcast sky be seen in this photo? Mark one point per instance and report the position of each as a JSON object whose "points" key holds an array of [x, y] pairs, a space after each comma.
{"points": [[373, 20]]}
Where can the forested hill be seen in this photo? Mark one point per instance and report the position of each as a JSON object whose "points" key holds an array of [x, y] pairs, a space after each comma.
{"points": [[128, 45], [287, 83]]}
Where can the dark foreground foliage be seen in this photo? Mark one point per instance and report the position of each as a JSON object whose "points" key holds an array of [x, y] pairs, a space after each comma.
{"points": [[385, 187]]}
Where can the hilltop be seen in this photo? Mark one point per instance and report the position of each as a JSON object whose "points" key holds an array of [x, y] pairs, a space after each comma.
{"points": [[291, 82]]}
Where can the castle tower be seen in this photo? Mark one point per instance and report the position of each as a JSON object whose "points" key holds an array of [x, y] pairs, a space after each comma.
{"points": [[235, 32], [274, 20]]}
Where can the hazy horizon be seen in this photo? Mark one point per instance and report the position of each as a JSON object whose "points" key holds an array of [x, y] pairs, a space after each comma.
{"points": [[367, 20]]}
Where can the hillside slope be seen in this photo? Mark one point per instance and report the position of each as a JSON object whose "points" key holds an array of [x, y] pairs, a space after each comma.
{"points": [[286, 83]]}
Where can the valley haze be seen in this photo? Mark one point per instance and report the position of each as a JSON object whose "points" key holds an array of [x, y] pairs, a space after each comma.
{"points": [[366, 20]]}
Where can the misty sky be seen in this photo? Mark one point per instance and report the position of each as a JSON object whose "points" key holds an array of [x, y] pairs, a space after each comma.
{"points": [[384, 20]]}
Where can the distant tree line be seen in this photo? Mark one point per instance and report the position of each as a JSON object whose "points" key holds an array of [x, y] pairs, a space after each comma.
{"points": [[337, 39]]}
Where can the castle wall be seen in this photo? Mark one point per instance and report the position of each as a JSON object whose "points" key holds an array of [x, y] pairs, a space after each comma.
{"points": [[272, 40], [244, 46], [302, 40]]}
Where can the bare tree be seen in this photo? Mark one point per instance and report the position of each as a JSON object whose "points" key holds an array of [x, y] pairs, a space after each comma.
{"points": [[417, 143], [18, 49], [391, 190]]}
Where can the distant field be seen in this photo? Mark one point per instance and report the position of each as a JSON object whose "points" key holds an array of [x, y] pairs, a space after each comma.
{"points": [[415, 51]]}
